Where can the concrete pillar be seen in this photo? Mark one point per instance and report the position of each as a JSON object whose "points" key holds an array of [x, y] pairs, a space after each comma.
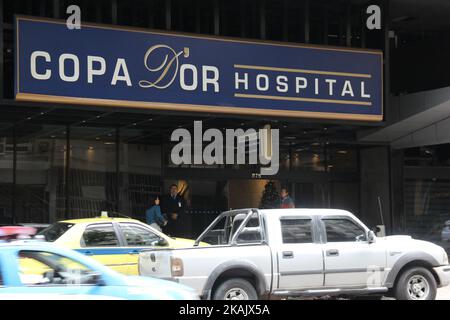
{"points": [[375, 184]]}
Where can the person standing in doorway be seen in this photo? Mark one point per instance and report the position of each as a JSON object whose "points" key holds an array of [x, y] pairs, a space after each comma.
{"points": [[286, 200], [173, 205]]}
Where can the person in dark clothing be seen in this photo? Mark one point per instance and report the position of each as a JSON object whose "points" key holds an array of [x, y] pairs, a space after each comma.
{"points": [[173, 205]]}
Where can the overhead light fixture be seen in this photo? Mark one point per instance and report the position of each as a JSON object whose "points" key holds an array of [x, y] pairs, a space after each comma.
{"points": [[342, 151]]}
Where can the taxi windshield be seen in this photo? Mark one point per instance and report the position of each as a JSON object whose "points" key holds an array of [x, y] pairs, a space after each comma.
{"points": [[56, 230]]}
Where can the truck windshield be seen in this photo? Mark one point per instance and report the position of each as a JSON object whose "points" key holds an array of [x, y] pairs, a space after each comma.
{"points": [[56, 230]]}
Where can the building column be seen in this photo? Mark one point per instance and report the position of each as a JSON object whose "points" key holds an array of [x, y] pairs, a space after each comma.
{"points": [[67, 180], [262, 19], [397, 193], [216, 18], [1, 52], [114, 17], [386, 54], [375, 186], [117, 191], [307, 22], [14, 191], [168, 14], [56, 9], [348, 25]]}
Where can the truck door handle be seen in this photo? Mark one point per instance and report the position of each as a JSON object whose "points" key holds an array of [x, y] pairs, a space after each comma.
{"points": [[332, 252], [133, 252], [288, 254], [88, 253]]}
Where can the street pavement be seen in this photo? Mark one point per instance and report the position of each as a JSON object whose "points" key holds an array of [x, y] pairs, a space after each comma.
{"points": [[442, 294]]}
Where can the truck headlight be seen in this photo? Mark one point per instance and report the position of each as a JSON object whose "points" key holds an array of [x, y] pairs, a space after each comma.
{"points": [[176, 266]]}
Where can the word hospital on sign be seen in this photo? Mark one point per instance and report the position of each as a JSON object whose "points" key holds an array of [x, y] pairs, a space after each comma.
{"points": [[283, 84]]}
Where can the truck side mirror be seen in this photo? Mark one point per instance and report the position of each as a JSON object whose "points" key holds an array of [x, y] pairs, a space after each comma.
{"points": [[371, 236]]}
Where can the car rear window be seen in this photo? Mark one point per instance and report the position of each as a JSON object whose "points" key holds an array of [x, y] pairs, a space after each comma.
{"points": [[56, 230]]}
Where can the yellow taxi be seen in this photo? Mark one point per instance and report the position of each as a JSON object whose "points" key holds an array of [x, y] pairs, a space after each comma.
{"points": [[114, 242]]}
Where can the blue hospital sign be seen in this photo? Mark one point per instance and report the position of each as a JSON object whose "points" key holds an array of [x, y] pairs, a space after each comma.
{"points": [[105, 65]]}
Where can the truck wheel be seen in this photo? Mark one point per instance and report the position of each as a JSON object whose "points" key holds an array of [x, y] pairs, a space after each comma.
{"points": [[235, 289], [416, 284]]}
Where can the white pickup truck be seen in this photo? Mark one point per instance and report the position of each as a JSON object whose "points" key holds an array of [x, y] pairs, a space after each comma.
{"points": [[259, 254]]}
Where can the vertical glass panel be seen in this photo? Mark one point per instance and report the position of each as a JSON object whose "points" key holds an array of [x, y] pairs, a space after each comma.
{"points": [[426, 205], [6, 173], [92, 178], [140, 172], [40, 173]]}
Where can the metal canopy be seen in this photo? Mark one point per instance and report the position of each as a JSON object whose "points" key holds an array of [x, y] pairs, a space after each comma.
{"points": [[420, 119]]}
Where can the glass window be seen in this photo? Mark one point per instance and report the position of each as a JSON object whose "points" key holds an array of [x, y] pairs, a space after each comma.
{"points": [[93, 171], [226, 227], [138, 236], [296, 230], [343, 230], [100, 235], [39, 268], [217, 235], [427, 208], [252, 231], [6, 173], [40, 183], [55, 231]]}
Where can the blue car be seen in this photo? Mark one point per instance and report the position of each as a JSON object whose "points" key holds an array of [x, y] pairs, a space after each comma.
{"points": [[42, 271]]}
